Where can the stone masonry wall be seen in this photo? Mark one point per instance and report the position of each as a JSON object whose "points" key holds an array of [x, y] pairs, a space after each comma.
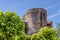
{"points": [[34, 19]]}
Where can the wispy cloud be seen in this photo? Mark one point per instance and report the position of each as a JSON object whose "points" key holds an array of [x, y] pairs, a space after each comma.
{"points": [[54, 15], [52, 6]]}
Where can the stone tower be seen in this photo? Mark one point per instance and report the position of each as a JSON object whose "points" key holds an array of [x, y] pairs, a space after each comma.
{"points": [[34, 19]]}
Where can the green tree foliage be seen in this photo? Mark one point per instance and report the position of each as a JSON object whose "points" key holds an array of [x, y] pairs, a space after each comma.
{"points": [[58, 38], [27, 37], [11, 26], [45, 33], [35, 37]]}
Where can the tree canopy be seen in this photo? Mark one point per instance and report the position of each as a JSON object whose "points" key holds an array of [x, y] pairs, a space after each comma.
{"points": [[11, 25]]}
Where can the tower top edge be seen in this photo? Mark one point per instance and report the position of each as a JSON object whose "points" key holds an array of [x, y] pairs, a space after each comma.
{"points": [[34, 10]]}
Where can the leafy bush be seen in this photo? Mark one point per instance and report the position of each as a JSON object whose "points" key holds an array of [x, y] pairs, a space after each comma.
{"points": [[58, 38], [27, 37], [45, 33], [35, 37], [11, 26]]}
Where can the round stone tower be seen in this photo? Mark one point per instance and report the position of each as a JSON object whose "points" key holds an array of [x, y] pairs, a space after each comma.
{"points": [[34, 19]]}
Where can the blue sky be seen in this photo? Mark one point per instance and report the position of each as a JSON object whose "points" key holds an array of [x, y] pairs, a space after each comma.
{"points": [[21, 6]]}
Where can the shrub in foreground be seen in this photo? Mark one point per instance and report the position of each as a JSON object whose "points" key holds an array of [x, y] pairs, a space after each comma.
{"points": [[45, 33], [11, 26]]}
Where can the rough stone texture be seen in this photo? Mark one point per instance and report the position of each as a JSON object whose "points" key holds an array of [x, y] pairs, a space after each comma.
{"points": [[34, 19]]}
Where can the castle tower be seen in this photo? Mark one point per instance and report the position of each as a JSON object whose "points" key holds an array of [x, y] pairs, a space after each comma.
{"points": [[34, 19]]}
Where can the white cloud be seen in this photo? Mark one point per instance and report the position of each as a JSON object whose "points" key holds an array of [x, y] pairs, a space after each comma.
{"points": [[52, 6], [54, 15]]}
